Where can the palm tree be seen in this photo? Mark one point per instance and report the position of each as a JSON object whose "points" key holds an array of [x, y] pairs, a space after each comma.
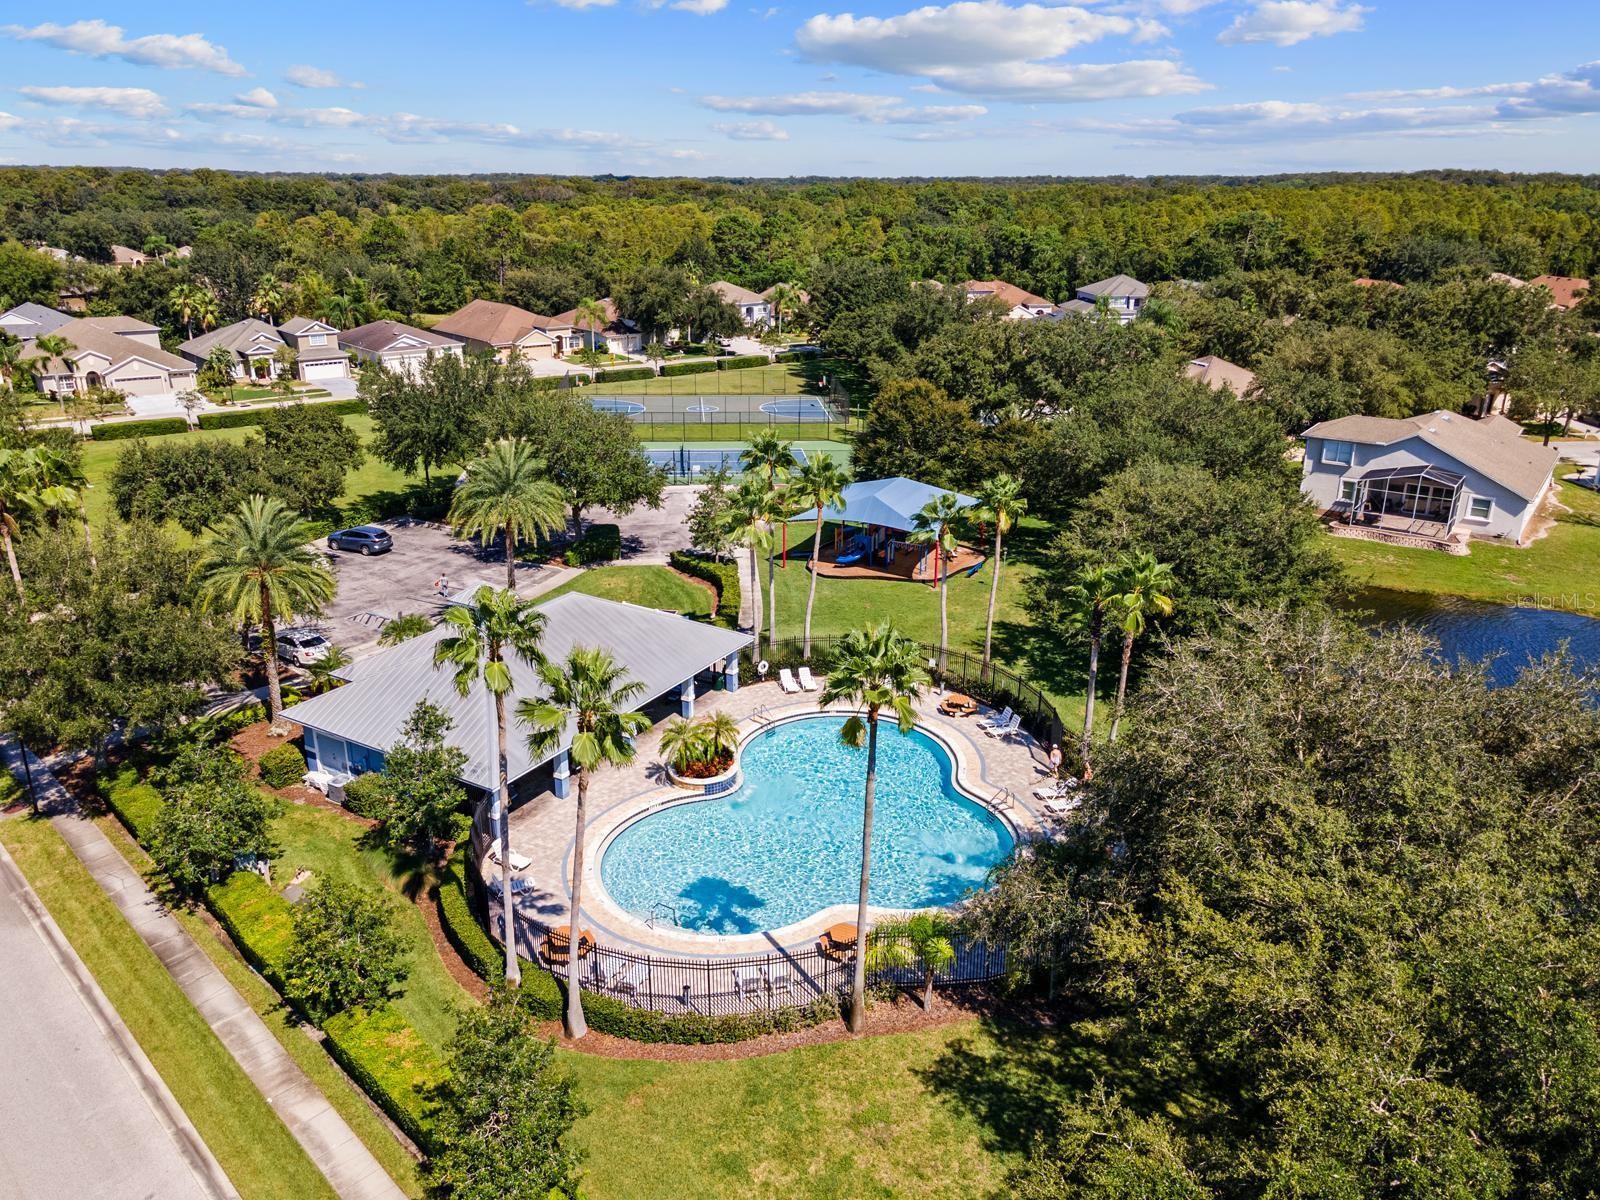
{"points": [[924, 937], [268, 299], [19, 470], [592, 316], [403, 628], [337, 310], [721, 733], [323, 672], [1087, 601], [53, 345], [259, 565], [206, 309], [683, 742], [748, 523], [935, 526], [505, 492], [1143, 590], [61, 487], [770, 454], [185, 298], [820, 484], [873, 669], [1000, 502], [481, 635], [784, 298], [590, 693]]}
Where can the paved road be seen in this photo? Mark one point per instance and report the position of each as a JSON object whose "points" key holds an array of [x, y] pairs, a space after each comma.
{"points": [[82, 1112]]}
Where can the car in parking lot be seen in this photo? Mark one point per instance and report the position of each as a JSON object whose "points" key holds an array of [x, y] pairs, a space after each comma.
{"points": [[361, 539], [302, 647]]}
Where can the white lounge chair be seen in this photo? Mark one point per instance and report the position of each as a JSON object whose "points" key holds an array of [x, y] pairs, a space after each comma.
{"points": [[1061, 807], [1005, 729], [748, 981], [807, 680], [986, 723], [519, 862], [624, 981], [777, 978], [1056, 790], [786, 680]]}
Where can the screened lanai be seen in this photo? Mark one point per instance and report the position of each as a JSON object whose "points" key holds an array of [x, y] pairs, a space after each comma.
{"points": [[1423, 498]]}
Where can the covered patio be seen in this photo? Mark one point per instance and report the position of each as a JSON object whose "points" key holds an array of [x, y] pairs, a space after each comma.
{"points": [[869, 528], [1422, 500]]}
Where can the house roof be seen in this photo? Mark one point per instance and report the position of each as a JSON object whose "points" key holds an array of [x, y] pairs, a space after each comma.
{"points": [[893, 503], [1509, 280], [1493, 447], [30, 320], [90, 334], [1116, 287], [121, 324], [1216, 373], [615, 322], [732, 293], [299, 325], [377, 336], [124, 256], [1074, 307], [1008, 294], [236, 337], [1565, 291], [491, 322], [658, 649]]}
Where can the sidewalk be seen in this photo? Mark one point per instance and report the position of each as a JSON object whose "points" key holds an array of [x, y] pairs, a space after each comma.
{"points": [[330, 1143]]}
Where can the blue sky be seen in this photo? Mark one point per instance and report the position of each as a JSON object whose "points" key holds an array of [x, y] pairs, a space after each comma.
{"points": [[829, 87]]}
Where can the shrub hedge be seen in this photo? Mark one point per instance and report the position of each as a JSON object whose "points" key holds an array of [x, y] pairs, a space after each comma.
{"points": [[794, 355], [367, 795], [155, 427], [688, 368], [599, 543], [740, 361], [282, 766], [233, 420], [723, 576], [476, 948], [624, 374]]}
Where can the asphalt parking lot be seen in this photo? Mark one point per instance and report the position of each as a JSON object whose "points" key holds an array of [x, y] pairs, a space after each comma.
{"points": [[405, 580]]}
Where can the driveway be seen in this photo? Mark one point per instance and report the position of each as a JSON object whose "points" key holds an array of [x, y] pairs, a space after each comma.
{"points": [[83, 1112], [650, 534]]}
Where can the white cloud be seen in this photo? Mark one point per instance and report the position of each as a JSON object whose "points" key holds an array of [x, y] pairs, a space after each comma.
{"points": [[1442, 93], [303, 76], [878, 110], [246, 109], [97, 39], [1574, 93], [751, 131], [130, 102], [257, 97], [1063, 83], [1278, 120], [9, 121], [1290, 22], [701, 8]]}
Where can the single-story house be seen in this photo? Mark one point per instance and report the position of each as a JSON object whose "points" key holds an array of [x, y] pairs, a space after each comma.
{"points": [[254, 345], [1019, 304], [1122, 296], [1218, 373], [1566, 293], [618, 335], [503, 330], [127, 256], [28, 322], [754, 308], [348, 729], [1439, 476], [1510, 281], [402, 348], [123, 353]]}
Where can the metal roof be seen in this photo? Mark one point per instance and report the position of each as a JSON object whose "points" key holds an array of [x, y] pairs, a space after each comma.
{"points": [[893, 503], [659, 649]]}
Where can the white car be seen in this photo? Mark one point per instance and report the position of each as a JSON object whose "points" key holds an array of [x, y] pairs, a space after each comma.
{"points": [[302, 647]]}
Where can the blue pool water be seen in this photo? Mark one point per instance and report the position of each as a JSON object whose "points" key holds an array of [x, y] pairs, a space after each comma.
{"points": [[787, 842]]}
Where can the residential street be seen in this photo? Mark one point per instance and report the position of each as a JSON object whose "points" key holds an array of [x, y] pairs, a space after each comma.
{"points": [[82, 1111]]}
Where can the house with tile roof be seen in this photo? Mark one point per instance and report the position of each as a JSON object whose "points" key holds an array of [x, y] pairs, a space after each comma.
{"points": [[754, 308], [1439, 477], [1218, 373], [619, 335], [1018, 303], [1566, 293]]}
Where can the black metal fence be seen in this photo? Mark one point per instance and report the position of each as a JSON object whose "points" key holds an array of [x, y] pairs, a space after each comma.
{"points": [[992, 684]]}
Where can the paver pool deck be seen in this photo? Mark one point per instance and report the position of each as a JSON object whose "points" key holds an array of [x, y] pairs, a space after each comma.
{"points": [[542, 828]]}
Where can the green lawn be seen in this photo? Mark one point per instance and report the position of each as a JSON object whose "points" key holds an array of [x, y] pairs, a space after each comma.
{"points": [[652, 587], [1560, 570], [258, 1153]]}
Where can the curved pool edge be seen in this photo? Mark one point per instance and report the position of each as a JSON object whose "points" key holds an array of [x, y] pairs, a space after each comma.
{"points": [[626, 924]]}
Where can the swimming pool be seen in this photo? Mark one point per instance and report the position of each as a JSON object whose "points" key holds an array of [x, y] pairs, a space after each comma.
{"points": [[787, 842]]}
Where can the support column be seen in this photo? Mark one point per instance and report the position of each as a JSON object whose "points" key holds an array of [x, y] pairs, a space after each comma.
{"points": [[686, 698], [730, 672], [563, 776]]}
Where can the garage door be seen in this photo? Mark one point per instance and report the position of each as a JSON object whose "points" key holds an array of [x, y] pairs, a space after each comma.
{"points": [[333, 369], [142, 385]]}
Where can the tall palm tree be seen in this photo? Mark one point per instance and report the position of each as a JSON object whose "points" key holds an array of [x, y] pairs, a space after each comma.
{"points": [[590, 693], [206, 309], [267, 302], [1000, 502], [748, 522], [506, 492], [185, 298], [19, 472], [482, 634], [61, 487], [785, 299], [873, 670], [338, 309], [820, 484], [1087, 602], [591, 315], [1143, 588], [935, 526], [774, 458], [259, 565], [53, 345]]}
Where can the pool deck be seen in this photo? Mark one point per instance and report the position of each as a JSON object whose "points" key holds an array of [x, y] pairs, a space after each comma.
{"points": [[542, 828]]}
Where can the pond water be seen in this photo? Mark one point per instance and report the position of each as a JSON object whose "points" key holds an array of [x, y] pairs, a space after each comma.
{"points": [[1509, 636]]}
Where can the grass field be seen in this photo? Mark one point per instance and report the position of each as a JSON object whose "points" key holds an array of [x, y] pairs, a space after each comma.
{"points": [[652, 587], [258, 1153], [1560, 570]]}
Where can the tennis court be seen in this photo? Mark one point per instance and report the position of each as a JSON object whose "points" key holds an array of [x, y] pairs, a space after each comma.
{"points": [[693, 462], [721, 408]]}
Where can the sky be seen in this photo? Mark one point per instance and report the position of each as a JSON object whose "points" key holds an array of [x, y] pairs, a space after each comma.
{"points": [[814, 87]]}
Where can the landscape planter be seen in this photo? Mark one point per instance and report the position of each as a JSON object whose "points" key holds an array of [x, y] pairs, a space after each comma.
{"points": [[710, 785]]}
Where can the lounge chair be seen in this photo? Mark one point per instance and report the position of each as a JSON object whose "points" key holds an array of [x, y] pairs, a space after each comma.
{"points": [[1005, 715], [624, 981], [519, 862], [777, 978], [1006, 729], [1062, 806], [1056, 790], [748, 981], [807, 680], [786, 680]]}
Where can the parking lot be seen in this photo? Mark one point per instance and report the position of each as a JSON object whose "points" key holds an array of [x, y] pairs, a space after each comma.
{"points": [[406, 580]]}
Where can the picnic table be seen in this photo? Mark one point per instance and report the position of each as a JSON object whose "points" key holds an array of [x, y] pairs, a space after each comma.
{"points": [[955, 704], [558, 943]]}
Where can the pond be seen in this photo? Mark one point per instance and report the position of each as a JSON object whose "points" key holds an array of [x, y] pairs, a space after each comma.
{"points": [[1510, 636]]}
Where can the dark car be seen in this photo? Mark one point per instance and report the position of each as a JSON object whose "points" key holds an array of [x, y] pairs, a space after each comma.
{"points": [[363, 539]]}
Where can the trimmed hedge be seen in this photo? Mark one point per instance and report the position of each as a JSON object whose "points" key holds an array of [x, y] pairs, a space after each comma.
{"points": [[740, 361], [688, 368], [624, 374], [723, 576], [476, 948], [367, 795], [282, 766], [122, 430], [256, 416], [134, 802], [599, 543]]}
